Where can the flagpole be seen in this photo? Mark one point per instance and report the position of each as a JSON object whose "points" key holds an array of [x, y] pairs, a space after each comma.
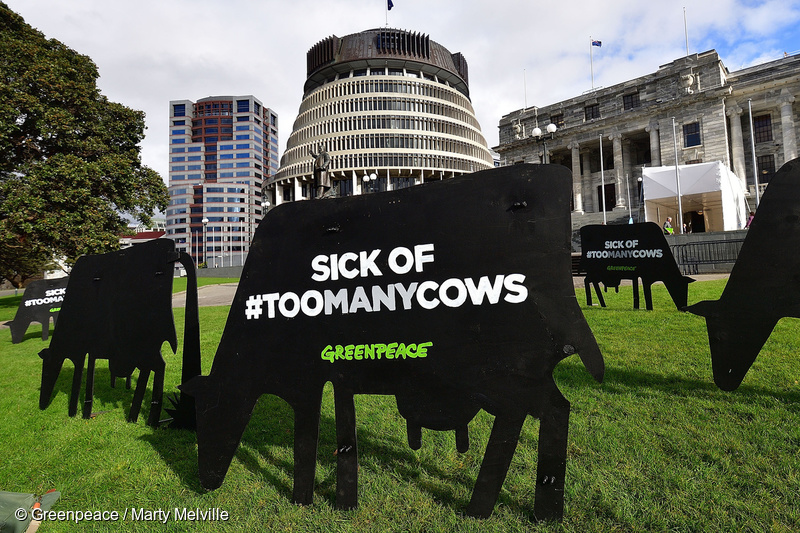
{"points": [[686, 31], [591, 60]]}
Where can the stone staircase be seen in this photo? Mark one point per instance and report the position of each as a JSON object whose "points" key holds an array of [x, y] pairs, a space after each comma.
{"points": [[612, 217]]}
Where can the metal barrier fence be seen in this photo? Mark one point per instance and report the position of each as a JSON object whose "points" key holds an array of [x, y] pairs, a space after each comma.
{"points": [[690, 256]]}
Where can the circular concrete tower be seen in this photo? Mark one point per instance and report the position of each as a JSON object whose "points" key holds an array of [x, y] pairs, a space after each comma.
{"points": [[384, 109]]}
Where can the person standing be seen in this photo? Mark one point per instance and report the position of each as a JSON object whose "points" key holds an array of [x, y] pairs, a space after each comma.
{"points": [[668, 226]]}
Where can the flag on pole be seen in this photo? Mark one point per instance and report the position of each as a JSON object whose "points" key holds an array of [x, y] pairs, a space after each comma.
{"points": [[390, 5], [594, 43]]}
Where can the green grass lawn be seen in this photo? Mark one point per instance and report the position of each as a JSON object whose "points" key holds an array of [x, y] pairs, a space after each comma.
{"points": [[655, 447]]}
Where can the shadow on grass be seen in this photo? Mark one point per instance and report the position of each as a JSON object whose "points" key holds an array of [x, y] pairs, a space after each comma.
{"points": [[112, 397], [178, 450], [34, 331], [627, 381], [272, 425]]}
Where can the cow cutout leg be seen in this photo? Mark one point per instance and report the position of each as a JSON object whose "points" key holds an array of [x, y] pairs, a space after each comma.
{"points": [[462, 439], [599, 294], [77, 376], [138, 395], [636, 292], [414, 435], [648, 295], [158, 393], [552, 463], [306, 435], [587, 286], [496, 461], [88, 395], [346, 450]]}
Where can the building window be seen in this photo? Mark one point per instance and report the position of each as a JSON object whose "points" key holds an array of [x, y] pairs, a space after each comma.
{"points": [[762, 126], [179, 110], [691, 135], [558, 120], [243, 106], [631, 101], [592, 111], [766, 167]]}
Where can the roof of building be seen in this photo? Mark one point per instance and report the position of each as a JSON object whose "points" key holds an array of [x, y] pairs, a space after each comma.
{"points": [[388, 47]]}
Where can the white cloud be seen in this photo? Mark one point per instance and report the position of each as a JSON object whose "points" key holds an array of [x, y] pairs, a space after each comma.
{"points": [[153, 51]]}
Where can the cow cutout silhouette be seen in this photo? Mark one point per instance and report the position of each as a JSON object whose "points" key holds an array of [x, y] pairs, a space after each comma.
{"points": [[118, 306], [454, 296], [40, 302], [610, 254], [764, 284]]}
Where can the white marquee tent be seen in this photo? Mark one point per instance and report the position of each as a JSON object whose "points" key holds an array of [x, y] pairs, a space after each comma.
{"points": [[709, 189]]}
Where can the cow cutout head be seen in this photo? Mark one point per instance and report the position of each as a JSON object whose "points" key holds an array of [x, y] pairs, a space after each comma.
{"points": [[763, 286]]}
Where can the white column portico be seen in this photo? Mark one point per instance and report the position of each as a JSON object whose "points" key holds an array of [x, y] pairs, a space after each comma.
{"points": [[616, 142], [587, 179], [577, 178], [655, 143], [734, 113], [787, 125]]}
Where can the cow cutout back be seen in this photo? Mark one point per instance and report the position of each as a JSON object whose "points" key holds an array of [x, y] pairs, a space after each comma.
{"points": [[610, 254], [764, 285], [454, 296], [40, 302], [118, 306]]}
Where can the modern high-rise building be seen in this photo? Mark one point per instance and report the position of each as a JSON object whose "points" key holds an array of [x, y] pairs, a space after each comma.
{"points": [[222, 149], [390, 108]]}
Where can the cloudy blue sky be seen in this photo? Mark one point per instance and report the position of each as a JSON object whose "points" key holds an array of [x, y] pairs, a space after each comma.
{"points": [[519, 51]]}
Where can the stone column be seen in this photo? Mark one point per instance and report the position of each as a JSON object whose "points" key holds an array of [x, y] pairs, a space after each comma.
{"points": [[627, 171], [298, 189], [587, 178], [787, 126], [616, 140], [734, 113], [577, 178], [655, 144]]}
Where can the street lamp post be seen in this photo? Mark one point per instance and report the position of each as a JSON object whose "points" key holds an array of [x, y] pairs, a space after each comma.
{"points": [[205, 247], [537, 132], [367, 179]]}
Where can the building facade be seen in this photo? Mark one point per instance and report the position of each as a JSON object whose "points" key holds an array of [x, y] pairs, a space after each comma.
{"points": [[693, 108], [222, 151], [390, 108]]}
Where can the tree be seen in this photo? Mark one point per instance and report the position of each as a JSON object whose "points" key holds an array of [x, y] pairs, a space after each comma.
{"points": [[70, 163]]}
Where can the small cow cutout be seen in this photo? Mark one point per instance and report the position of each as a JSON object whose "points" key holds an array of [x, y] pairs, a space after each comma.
{"points": [[118, 306], [764, 285], [610, 254], [40, 302], [454, 297]]}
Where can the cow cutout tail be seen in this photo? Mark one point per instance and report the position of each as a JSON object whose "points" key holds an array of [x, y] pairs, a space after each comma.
{"points": [[182, 411]]}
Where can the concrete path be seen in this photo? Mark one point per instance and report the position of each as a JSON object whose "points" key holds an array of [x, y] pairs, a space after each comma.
{"points": [[209, 295]]}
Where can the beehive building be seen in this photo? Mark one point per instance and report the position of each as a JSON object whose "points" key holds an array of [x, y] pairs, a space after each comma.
{"points": [[390, 108]]}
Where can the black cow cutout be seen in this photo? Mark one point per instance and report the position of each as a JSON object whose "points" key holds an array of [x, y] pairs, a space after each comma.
{"points": [[118, 306], [764, 285], [610, 254], [454, 296], [40, 302]]}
